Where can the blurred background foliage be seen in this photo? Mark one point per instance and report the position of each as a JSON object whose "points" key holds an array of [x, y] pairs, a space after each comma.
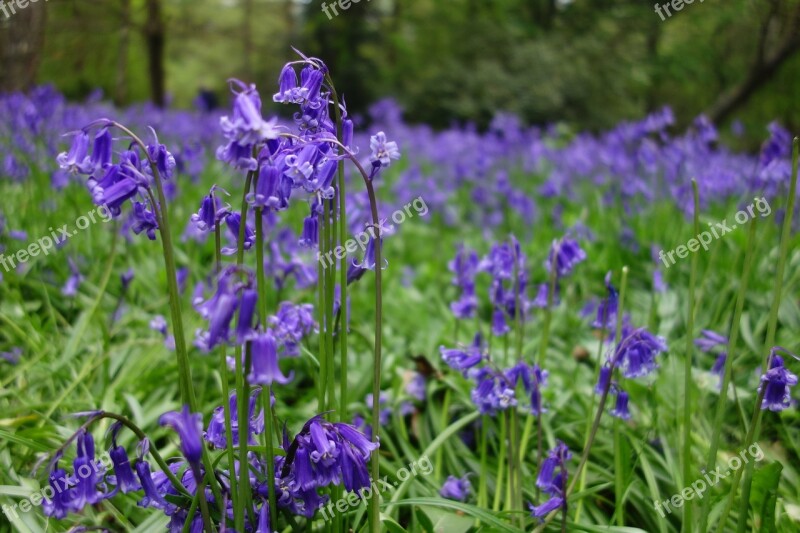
{"points": [[589, 63]]}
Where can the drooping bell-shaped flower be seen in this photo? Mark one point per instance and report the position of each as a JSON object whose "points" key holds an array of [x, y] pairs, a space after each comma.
{"points": [[76, 161], [564, 255], [456, 488], [265, 369], [189, 427], [778, 382], [620, 409]]}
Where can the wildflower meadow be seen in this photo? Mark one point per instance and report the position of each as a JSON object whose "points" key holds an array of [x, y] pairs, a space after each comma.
{"points": [[284, 309]]}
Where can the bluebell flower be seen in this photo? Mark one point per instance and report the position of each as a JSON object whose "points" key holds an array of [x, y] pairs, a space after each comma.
{"points": [[492, 392], [123, 478], [620, 409], [144, 220], [310, 235], [456, 488], [188, 426], [273, 189], [606, 317], [499, 325], [102, 149], [709, 340], [416, 386], [289, 92], [718, 369], [461, 359], [291, 324], [552, 480], [57, 505], [234, 221], [76, 161], [70, 288], [215, 434], [778, 382], [86, 471], [152, 497], [265, 369], [564, 255], [636, 353], [211, 213], [247, 127], [603, 380], [383, 151]]}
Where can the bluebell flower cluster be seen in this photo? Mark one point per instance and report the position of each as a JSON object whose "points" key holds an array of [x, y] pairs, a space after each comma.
{"points": [[496, 390], [552, 480]]}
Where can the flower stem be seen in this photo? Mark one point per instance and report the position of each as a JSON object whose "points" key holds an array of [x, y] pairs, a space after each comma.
{"points": [[266, 394], [687, 383]]}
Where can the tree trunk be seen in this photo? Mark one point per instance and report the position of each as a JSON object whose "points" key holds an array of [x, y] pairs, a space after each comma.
{"points": [[155, 38], [765, 66], [121, 82], [21, 44]]}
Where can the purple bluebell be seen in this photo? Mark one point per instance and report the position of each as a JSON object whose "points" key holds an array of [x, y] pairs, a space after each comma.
{"points": [[603, 380], [215, 433], [88, 474], [552, 480], [234, 221], [462, 359], [636, 353], [415, 387], [606, 317], [778, 382], [272, 190], [189, 427], [265, 369], [144, 220], [246, 126], [12, 356], [499, 325], [564, 255], [76, 161], [383, 151], [456, 488], [289, 92], [492, 392], [310, 235], [709, 340], [123, 479], [70, 288], [620, 409], [152, 497]]}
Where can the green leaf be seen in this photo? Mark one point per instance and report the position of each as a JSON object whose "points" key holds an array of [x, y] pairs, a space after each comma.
{"points": [[484, 516], [764, 496]]}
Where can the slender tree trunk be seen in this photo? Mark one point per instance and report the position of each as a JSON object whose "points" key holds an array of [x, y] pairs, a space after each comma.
{"points": [[121, 82], [21, 44], [767, 63], [247, 36], [155, 37]]}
